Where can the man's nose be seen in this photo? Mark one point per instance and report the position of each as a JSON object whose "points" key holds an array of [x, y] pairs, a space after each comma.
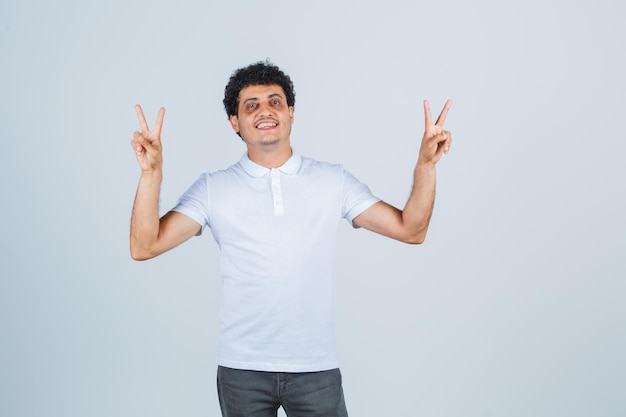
{"points": [[265, 109]]}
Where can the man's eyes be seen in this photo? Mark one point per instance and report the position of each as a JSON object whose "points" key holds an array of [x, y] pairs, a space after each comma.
{"points": [[254, 105]]}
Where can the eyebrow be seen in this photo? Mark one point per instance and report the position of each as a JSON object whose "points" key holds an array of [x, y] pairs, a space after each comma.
{"points": [[256, 98]]}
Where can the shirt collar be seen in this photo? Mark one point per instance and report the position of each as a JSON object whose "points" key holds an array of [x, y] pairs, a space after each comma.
{"points": [[252, 168]]}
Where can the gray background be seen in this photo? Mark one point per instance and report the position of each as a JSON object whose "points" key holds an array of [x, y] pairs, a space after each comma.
{"points": [[514, 306]]}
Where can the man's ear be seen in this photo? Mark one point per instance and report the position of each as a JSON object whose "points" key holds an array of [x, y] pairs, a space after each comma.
{"points": [[291, 113], [234, 122]]}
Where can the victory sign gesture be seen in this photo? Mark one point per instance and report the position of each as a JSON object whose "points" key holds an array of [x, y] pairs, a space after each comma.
{"points": [[147, 143], [436, 140]]}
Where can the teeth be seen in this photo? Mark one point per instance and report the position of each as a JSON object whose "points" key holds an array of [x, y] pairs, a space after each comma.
{"points": [[266, 124]]}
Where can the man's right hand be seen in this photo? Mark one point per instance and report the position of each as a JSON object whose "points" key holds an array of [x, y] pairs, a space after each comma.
{"points": [[147, 143]]}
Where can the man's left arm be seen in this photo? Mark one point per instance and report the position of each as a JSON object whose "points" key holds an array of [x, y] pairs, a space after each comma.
{"points": [[411, 224]]}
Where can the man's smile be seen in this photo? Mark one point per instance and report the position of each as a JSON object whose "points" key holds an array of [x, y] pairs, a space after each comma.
{"points": [[266, 124]]}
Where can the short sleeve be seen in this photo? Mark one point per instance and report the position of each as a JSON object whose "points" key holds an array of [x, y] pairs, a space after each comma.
{"points": [[194, 203], [357, 197]]}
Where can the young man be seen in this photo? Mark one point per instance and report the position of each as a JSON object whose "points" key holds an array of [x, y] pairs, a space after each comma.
{"points": [[275, 216]]}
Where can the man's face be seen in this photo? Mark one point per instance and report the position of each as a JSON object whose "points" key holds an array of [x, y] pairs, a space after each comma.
{"points": [[264, 118]]}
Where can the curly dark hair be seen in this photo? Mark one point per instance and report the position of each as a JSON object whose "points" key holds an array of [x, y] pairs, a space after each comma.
{"points": [[260, 73]]}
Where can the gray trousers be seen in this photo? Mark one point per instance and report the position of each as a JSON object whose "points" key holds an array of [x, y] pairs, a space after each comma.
{"points": [[259, 394]]}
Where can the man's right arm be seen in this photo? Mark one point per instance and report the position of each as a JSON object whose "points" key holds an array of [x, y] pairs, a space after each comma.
{"points": [[150, 235]]}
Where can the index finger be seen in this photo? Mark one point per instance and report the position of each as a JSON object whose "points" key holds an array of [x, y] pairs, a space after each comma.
{"points": [[442, 116], [142, 119]]}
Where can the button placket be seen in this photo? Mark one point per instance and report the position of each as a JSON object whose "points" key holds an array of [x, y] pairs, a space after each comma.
{"points": [[277, 193]]}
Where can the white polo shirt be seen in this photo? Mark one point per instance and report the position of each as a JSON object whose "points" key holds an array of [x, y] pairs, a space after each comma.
{"points": [[276, 229]]}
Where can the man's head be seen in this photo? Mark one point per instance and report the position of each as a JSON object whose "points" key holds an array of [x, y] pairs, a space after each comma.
{"points": [[260, 73]]}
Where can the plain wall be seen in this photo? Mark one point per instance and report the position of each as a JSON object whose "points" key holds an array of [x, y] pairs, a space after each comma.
{"points": [[515, 304]]}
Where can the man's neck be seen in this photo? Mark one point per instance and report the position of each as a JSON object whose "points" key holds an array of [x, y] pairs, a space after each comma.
{"points": [[271, 159]]}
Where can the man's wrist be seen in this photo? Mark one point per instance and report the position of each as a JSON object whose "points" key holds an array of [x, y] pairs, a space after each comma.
{"points": [[425, 166], [152, 175]]}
